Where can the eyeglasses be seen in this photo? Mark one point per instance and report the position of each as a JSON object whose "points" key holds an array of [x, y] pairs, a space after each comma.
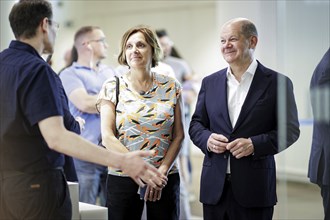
{"points": [[54, 24], [102, 40]]}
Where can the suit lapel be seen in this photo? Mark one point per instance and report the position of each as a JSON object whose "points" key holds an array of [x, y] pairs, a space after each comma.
{"points": [[258, 86], [223, 103]]}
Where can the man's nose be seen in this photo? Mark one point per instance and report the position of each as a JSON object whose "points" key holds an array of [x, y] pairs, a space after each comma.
{"points": [[226, 44]]}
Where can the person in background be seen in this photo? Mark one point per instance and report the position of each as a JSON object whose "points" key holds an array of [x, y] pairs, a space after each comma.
{"points": [[34, 122], [184, 75], [181, 68], [146, 115], [236, 126], [70, 56], [82, 82], [319, 161], [72, 124]]}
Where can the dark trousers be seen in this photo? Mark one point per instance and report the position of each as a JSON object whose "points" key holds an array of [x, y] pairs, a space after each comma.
{"points": [[124, 202], [325, 192], [229, 209], [42, 195], [325, 189]]}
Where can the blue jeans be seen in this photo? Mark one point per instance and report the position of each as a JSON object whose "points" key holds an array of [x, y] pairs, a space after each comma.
{"points": [[92, 182]]}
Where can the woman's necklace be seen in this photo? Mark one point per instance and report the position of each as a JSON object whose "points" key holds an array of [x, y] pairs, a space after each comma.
{"points": [[141, 87]]}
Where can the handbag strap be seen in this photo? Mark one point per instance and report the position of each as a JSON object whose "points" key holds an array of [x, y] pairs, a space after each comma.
{"points": [[117, 91]]}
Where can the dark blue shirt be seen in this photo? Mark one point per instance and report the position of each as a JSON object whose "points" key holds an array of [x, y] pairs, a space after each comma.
{"points": [[30, 91]]}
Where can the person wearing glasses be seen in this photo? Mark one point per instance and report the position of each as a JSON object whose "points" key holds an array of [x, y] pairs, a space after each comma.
{"points": [[33, 132], [82, 82]]}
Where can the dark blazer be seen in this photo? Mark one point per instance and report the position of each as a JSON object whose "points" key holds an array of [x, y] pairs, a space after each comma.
{"points": [[319, 161], [253, 177]]}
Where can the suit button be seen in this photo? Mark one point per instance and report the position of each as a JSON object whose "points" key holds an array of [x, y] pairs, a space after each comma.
{"points": [[225, 156]]}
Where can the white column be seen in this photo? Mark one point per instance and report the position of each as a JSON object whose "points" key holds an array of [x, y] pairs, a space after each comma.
{"points": [[6, 34]]}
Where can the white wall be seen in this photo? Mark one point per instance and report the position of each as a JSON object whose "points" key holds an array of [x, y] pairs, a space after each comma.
{"points": [[191, 25], [5, 32]]}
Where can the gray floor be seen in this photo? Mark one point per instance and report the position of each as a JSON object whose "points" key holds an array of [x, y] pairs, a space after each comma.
{"points": [[296, 201]]}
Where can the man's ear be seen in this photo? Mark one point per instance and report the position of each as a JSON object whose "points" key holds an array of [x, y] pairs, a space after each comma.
{"points": [[253, 42], [88, 45], [44, 25]]}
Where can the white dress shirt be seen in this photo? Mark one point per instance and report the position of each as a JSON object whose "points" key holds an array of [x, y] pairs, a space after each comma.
{"points": [[237, 92]]}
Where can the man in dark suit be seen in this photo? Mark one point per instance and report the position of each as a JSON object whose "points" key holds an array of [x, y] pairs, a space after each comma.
{"points": [[239, 125], [319, 161]]}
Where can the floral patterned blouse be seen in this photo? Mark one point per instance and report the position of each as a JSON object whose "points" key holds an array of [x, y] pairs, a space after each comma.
{"points": [[144, 122]]}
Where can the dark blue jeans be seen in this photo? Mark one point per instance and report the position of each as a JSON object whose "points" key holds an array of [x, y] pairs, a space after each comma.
{"points": [[124, 202], [42, 195], [92, 182]]}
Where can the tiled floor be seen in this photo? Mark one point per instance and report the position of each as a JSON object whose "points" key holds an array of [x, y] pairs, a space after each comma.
{"points": [[296, 201]]}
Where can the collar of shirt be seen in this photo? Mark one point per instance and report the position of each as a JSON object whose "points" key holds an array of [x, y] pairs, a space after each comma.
{"points": [[78, 66], [101, 67], [19, 45], [250, 70]]}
